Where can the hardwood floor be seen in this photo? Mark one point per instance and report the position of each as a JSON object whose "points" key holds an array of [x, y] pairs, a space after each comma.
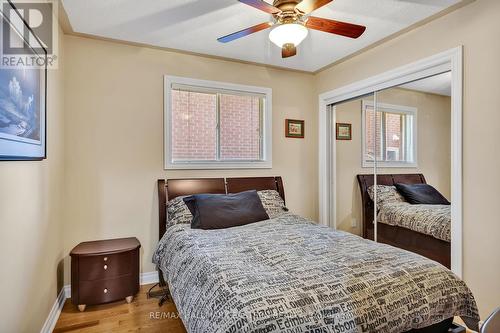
{"points": [[142, 315]]}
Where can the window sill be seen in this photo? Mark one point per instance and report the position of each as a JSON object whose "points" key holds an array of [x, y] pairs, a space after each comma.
{"points": [[218, 165], [390, 165]]}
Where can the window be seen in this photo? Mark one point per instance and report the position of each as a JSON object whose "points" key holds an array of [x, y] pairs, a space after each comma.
{"points": [[390, 135], [214, 125]]}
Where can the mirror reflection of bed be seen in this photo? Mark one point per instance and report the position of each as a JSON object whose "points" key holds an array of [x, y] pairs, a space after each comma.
{"points": [[416, 227], [407, 130]]}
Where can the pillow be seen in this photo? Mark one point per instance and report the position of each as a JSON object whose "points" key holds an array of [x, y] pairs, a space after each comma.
{"points": [[218, 211], [178, 212], [385, 194], [421, 194], [272, 202]]}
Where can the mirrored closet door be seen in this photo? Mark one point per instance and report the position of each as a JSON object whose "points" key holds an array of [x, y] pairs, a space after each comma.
{"points": [[392, 166], [353, 132], [413, 166]]}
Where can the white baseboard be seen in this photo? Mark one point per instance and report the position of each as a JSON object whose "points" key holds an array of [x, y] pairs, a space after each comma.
{"points": [[148, 278], [67, 291], [55, 312]]}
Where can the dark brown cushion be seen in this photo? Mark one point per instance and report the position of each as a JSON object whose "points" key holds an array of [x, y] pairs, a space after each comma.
{"points": [[421, 194], [218, 211]]}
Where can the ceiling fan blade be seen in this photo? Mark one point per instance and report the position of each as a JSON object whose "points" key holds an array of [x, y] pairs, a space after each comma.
{"points": [[307, 6], [288, 50], [335, 27], [245, 32], [262, 5]]}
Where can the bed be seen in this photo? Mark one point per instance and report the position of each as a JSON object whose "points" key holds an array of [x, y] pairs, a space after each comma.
{"points": [[435, 246], [288, 274]]}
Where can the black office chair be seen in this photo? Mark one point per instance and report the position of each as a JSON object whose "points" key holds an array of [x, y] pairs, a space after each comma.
{"points": [[492, 323]]}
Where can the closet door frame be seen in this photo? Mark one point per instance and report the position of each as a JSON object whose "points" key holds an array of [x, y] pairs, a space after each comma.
{"points": [[447, 61]]}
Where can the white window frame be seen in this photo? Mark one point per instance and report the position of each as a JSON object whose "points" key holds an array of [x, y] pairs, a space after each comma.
{"points": [[264, 163], [390, 108]]}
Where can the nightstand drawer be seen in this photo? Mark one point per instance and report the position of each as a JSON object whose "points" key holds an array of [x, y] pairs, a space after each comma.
{"points": [[105, 266], [104, 291]]}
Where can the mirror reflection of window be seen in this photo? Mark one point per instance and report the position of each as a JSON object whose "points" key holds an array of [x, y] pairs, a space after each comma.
{"points": [[391, 134]]}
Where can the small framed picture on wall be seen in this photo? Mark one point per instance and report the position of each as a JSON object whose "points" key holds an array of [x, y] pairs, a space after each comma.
{"points": [[294, 128], [344, 131]]}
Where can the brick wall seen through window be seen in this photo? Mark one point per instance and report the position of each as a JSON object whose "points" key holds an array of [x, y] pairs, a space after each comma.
{"points": [[239, 127], [212, 126]]}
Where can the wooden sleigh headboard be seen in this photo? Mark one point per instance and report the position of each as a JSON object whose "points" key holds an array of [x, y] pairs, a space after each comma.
{"points": [[365, 181], [172, 188]]}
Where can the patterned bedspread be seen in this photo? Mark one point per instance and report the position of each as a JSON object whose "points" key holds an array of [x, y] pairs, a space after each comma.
{"points": [[432, 220], [289, 275]]}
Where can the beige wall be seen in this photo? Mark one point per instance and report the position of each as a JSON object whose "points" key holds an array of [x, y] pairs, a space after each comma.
{"points": [[433, 149], [114, 137], [474, 26], [106, 152], [31, 231]]}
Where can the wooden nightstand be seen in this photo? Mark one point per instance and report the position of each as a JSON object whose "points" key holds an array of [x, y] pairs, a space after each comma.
{"points": [[104, 271]]}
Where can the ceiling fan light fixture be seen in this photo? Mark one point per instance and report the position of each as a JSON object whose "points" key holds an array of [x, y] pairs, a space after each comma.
{"points": [[288, 33]]}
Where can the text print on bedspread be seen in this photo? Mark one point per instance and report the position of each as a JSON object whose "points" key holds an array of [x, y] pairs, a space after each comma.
{"points": [[290, 275]]}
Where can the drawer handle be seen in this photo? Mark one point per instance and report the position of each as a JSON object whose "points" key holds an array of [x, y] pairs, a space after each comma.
{"points": [[105, 290], [105, 258], [105, 267]]}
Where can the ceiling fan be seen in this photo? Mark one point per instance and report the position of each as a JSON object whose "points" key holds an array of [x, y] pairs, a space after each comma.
{"points": [[291, 24]]}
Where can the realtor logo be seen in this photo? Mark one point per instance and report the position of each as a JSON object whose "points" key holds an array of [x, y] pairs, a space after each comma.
{"points": [[29, 29]]}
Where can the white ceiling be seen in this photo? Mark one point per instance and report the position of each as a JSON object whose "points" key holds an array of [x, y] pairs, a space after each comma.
{"points": [[437, 84], [195, 25]]}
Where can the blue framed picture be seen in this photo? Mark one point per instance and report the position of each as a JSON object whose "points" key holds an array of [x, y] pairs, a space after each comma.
{"points": [[23, 91]]}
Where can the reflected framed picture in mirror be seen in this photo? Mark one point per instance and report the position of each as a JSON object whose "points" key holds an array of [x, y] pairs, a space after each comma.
{"points": [[343, 131]]}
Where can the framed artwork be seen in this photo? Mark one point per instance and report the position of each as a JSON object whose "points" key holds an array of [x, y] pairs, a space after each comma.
{"points": [[294, 128], [343, 131], [23, 92]]}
